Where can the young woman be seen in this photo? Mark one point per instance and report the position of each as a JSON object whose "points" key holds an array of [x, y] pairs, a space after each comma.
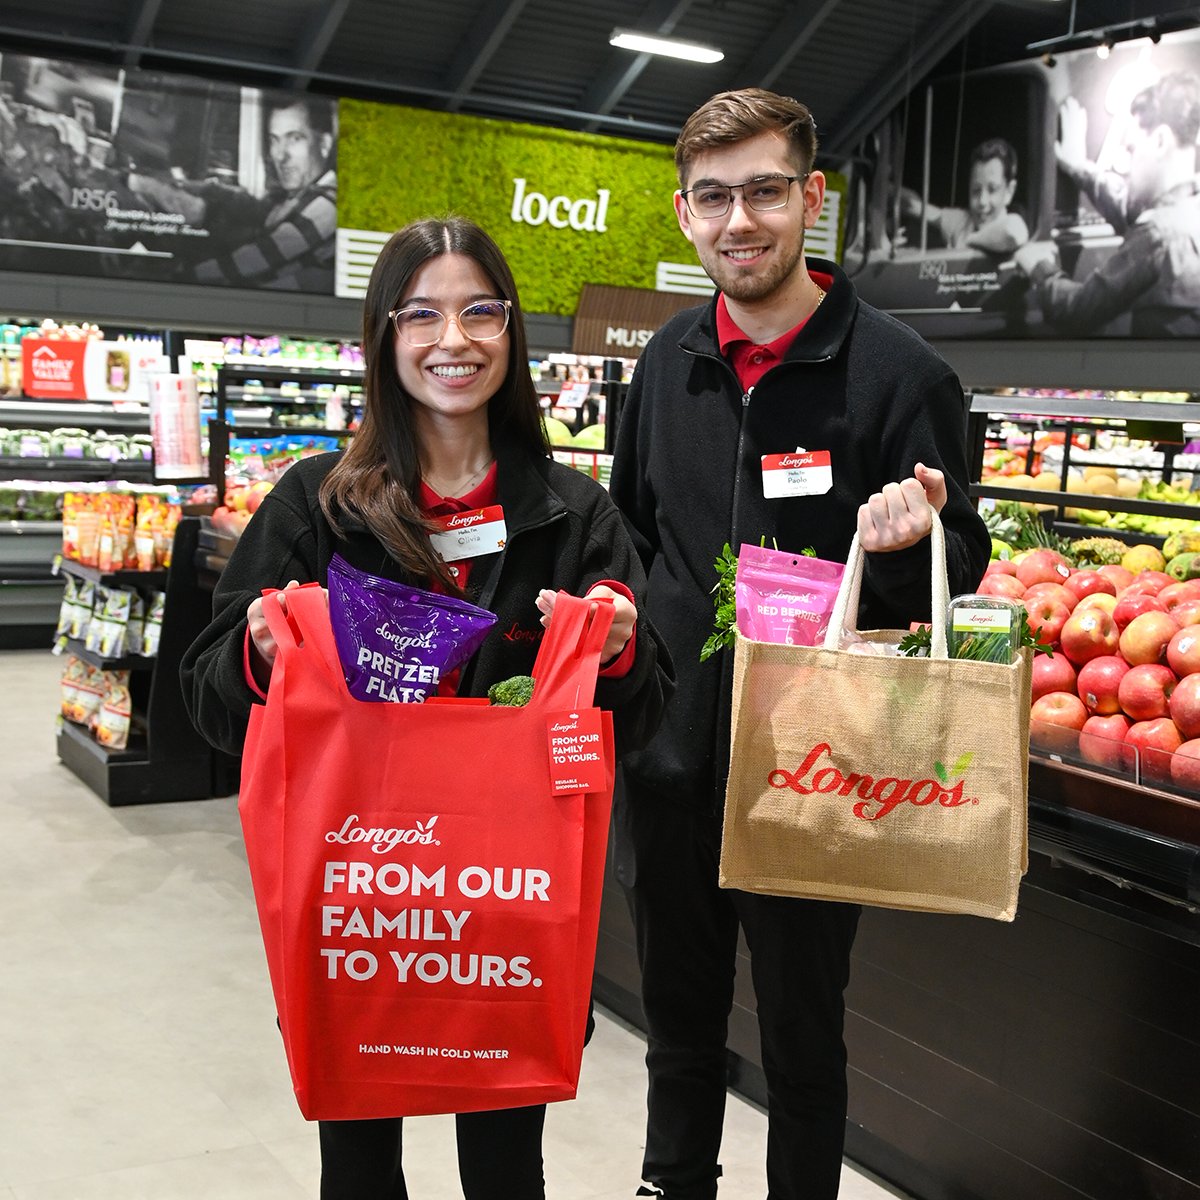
{"points": [[451, 423]]}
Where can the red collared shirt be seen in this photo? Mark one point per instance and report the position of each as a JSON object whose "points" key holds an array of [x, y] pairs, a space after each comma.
{"points": [[751, 361]]}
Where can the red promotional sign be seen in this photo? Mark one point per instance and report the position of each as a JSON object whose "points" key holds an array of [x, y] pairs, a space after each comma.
{"points": [[53, 368]]}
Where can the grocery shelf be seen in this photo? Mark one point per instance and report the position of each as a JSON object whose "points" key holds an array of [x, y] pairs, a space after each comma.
{"points": [[123, 662], [76, 470], [152, 579]]}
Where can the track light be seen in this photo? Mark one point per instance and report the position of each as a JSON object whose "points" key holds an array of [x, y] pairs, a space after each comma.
{"points": [[1104, 49], [646, 43], [1103, 39]]}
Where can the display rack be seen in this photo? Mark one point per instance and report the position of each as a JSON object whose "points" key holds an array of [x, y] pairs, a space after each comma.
{"points": [[1071, 416], [168, 760], [29, 592]]}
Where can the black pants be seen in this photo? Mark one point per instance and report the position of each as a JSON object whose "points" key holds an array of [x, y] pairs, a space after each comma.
{"points": [[499, 1157], [687, 930]]}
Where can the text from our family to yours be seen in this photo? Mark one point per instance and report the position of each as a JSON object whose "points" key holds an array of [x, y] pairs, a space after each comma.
{"points": [[438, 964]]}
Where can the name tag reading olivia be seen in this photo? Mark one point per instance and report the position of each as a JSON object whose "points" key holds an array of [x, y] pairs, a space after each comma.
{"points": [[802, 473], [469, 534]]}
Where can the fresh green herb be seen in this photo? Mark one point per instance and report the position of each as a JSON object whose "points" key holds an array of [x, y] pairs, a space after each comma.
{"points": [[980, 647], [725, 604]]}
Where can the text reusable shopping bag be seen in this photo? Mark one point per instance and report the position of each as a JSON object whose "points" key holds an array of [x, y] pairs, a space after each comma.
{"points": [[429, 908], [885, 780]]}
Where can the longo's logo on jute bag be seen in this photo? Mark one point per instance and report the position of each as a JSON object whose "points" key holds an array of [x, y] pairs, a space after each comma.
{"points": [[877, 796]]}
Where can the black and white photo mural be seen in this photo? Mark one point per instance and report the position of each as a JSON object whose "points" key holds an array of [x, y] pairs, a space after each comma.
{"points": [[134, 174], [1047, 198]]}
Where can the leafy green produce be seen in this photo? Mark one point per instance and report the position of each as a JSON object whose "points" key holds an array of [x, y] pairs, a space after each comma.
{"points": [[514, 692]]}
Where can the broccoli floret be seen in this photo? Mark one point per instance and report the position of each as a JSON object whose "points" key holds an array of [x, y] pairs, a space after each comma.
{"points": [[513, 692]]}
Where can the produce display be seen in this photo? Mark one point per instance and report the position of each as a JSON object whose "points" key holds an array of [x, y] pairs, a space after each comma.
{"points": [[1120, 685]]}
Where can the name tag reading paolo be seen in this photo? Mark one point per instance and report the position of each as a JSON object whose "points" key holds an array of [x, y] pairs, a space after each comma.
{"points": [[470, 534], [802, 473]]}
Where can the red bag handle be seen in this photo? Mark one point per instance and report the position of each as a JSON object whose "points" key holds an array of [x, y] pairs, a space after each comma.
{"points": [[567, 664], [568, 660], [305, 623]]}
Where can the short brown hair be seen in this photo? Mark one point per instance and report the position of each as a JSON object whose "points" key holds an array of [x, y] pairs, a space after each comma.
{"points": [[731, 117]]}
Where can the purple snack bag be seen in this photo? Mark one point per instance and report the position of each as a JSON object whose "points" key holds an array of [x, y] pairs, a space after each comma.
{"points": [[395, 642]]}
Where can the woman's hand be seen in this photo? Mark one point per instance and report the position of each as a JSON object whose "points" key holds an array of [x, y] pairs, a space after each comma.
{"points": [[898, 516], [624, 617], [263, 647]]}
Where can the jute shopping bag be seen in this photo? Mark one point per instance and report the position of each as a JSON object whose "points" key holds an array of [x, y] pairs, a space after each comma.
{"points": [[428, 890], [884, 780]]}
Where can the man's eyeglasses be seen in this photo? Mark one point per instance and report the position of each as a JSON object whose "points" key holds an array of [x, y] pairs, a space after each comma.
{"points": [[710, 200], [483, 321]]}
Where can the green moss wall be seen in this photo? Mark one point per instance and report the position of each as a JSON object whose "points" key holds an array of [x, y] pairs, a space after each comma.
{"points": [[397, 164]]}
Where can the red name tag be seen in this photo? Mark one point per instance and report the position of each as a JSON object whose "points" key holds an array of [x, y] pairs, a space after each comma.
{"points": [[469, 534], [802, 473], [576, 752]]}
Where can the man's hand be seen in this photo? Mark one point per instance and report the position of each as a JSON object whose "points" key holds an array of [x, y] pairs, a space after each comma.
{"points": [[624, 617], [1028, 256], [1071, 147], [898, 516]]}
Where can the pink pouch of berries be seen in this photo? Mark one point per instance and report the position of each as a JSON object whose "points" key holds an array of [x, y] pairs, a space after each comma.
{"points": [[396, 642], [783, 597]]}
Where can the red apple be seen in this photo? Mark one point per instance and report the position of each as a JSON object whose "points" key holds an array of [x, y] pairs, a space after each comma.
{"points": [[1145, 638], [1185, 766], [1099, 681], [1052, 673], [1000, 566], [1042, 566], [1102, 741], [1084, 583], [1045, 618], [1184, 706], [1055, 721], [1187, 613], [1088, 634], [1121, 576], [1155, 742], [1008, 587], [1133, 603], [1175, 594], [1152, 581], [1099, 600], [1052, 591], [1145, 691], [1183, 651]]}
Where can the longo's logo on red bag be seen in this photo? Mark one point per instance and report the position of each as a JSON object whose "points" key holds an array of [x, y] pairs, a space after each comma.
{"points": [[382, 840], [877, 795]]}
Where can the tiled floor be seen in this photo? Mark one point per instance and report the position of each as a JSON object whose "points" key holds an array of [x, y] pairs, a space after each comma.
{"points": [[138, 1053]]}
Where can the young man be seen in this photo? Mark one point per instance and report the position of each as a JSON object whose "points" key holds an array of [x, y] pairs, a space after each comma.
{"points": [[785, 357], [1154, 199]]}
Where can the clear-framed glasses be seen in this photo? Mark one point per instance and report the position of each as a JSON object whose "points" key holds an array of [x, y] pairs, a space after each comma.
{"points": [[482, 321], [710, 200]]}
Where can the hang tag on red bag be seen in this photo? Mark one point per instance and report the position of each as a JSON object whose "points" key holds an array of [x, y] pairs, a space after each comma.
{"points": [[576, 751]]}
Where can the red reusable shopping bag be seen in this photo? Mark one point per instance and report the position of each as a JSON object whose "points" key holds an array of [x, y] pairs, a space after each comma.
{"points": [[428, 903]]}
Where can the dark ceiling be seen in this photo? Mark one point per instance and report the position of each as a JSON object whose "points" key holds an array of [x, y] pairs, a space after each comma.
{"points": [[549, 61]]}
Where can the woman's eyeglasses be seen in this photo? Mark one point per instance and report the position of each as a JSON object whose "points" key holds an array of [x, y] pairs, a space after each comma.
{"points": [[483, 321]]}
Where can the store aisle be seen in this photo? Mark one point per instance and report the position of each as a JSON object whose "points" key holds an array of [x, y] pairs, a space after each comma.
{"points": [[137, 1033]]}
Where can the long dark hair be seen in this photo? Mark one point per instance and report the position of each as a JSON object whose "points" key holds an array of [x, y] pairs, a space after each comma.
{"points": [[378, 478]]}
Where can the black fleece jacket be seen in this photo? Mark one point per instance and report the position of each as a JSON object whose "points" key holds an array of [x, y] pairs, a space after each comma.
{"points": [[688, 479], [563, 533]]}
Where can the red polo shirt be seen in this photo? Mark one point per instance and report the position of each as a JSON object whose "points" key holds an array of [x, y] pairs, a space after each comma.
{"points": [[751, 361]]}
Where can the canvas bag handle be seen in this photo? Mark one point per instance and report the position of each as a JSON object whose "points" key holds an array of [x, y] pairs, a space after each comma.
{"points": [[845, 609]]}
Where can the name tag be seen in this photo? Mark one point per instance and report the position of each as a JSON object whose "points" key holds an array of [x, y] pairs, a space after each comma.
{"points": [[469, 534], [802, 473]]}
